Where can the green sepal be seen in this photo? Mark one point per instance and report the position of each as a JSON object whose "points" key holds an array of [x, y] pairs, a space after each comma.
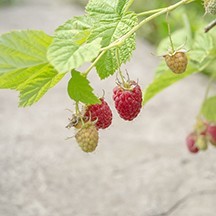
{"points": [[79, 89]]}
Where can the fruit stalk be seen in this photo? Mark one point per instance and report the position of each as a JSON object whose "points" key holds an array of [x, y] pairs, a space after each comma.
{"points": [[129, 4], [210, 26], [118, 63], [85, 74], [206, 92], [169, 33]]}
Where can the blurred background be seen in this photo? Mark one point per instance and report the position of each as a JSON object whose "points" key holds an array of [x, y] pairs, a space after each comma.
{"points": [[194, 12], [140, 168]]}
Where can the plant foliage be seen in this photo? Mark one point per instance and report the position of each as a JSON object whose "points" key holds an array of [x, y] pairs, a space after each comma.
{"points": [[32, 62]]}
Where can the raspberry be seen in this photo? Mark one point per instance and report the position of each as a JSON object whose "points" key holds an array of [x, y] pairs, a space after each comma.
{"points": [[128, 100], [201, 142], [210, 6], [101, 113], [201, 126], [190, 141], [87, 137], [177, 61], [211, 134]]}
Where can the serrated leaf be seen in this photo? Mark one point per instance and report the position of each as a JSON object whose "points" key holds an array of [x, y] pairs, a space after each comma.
{"points": [[24, 66], [70, 48], [80, 90], [35, 87], [203, 48], [209, 109], [22, 49], [111, 28], [166, 79], [104, 8]]}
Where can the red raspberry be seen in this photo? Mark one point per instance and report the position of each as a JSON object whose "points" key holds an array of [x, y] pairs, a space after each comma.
{"points": [[101, 113], [191, 142], [211, 134], [128, 101]]}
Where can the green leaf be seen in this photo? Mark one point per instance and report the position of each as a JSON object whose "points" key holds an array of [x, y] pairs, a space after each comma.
{"points": [[34, 88], [70, 48], [21, 49], [110, 31], [178, 37], [113, 23], [166, 79], [106, 9], [203, 48], [80, 90], [24, 66], [209, 109]]}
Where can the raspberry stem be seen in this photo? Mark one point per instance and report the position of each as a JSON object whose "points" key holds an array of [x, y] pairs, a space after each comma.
{"points": [[210, 26], [150, 12], [119, 68], [206, 93], [85, 74], [169, 33], [129, 4], [77, 108]]}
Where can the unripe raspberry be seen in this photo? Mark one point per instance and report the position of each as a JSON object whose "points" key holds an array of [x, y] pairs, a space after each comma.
{"points": [[211, 134], [190, 141], [87, 137], [201, 126], [101, 113], [210, 6], [128, 100], [201, 142], [177, 61]]}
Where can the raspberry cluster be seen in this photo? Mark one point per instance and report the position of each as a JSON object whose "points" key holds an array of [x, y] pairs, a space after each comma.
{"points": [[203, 135], [88, 122], [127, 97]]}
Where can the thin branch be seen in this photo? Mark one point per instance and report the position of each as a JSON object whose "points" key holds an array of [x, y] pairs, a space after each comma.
{"points": [[150, 12], [169, 33], [121, 40], [206, 92], [129, 4], [210, 26], [93, 64]]}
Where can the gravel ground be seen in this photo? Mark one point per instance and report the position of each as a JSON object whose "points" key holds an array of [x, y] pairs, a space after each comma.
{"points": [[140, 168]]}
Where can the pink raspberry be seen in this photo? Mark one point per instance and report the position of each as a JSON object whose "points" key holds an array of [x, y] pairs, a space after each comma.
{"points": [[128, 100], [100, 113], [211, 134], [191, 142]]}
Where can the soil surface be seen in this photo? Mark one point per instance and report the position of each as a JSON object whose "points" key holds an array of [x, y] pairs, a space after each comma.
{"points": [[140, 168]]}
